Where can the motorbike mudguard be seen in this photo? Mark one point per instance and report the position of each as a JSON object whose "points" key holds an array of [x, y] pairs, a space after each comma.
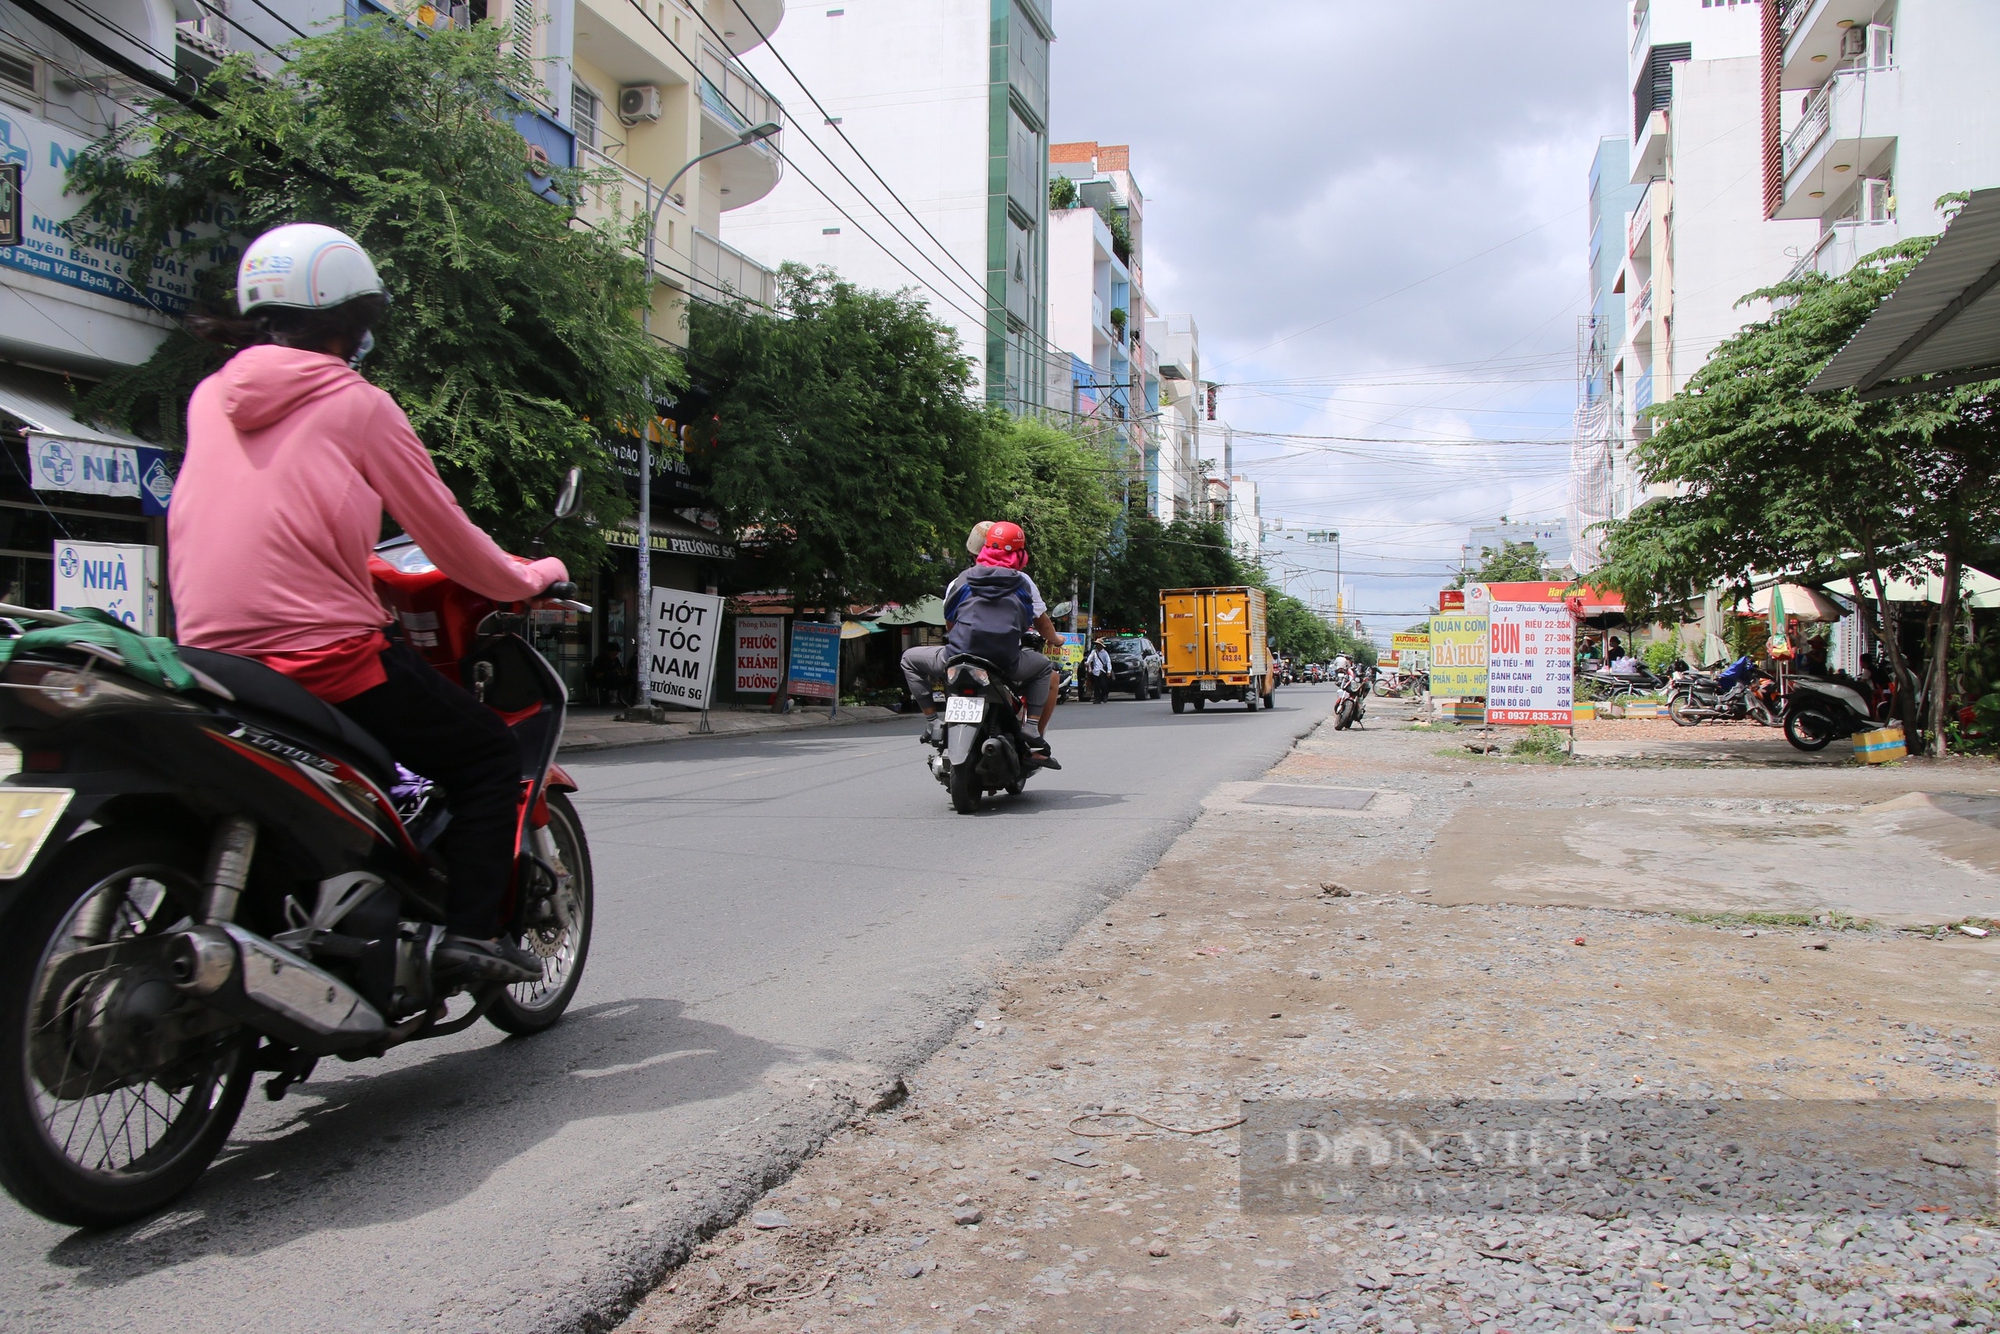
{"points": [[560, 780], [960, 740]]}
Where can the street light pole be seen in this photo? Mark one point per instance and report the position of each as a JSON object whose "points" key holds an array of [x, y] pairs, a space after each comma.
{"points": [[645, 599]]}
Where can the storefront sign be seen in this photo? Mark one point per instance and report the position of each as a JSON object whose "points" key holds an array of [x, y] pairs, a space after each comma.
{"points": [[1530, 662], [1458, 656], [93, 468], [1451, 599], [760, 654], [1404, 641], [671, 544], [43, 153], [123, 580], [681, 630], [815, 664]]}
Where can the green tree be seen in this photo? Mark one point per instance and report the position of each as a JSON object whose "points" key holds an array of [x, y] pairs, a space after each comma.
{"points": [[1768, 479], [514, 341], [1509, 563], [1147, 556], [843, 442], [1056, 486]]}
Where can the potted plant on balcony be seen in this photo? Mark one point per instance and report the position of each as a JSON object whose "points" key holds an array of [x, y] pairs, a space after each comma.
{"points": [[1118, 318]]}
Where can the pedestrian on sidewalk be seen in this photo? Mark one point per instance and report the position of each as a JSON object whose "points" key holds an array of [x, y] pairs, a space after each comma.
{"points": [[1097, 667]]}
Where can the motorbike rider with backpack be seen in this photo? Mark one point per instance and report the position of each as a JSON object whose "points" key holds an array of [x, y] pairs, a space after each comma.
{"points": [[292, 458], [987, 610]]}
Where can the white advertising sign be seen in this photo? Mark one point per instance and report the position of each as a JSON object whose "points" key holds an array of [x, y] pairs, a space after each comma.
{"points": [[123, 580], [47, 250], [681, 630], [760, 654], [1530, 662], [56, 464]]}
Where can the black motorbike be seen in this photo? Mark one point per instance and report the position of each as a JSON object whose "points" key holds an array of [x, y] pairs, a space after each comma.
{"points": [[979, 744], [204, 879]]}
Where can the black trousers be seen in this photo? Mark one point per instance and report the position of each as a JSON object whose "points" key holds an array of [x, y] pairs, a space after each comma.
{"points": [[437, 729]]}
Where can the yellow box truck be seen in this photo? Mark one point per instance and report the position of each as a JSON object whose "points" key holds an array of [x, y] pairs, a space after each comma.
{"points": [[1216, 646]]}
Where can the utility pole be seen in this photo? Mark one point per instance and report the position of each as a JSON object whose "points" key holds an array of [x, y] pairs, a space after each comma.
{"points": [[645, 596]]}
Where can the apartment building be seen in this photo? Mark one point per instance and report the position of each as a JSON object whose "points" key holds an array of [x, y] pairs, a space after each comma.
{"points": [[1172, 462], [1097, 298], [1599, 418], [1246, 519], [1872, 111], [949, 103], [1697, 236]]}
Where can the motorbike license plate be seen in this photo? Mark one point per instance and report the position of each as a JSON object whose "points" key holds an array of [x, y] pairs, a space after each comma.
{"points": [[27, 814], [1208, 685], [965, 709]]}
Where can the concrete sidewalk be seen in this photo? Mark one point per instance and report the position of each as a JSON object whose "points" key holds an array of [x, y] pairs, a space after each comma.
{"points": [[602, 729]]}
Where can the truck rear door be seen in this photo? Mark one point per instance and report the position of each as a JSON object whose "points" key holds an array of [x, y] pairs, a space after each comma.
{"points": [[1231, 619], [1184, 632]]}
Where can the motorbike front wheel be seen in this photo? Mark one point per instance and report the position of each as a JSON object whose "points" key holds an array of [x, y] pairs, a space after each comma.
{"points": [[1810, 730], [965, 787], [115, 1090], [530, 1007]]}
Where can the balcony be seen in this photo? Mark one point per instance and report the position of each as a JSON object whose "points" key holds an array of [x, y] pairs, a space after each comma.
{"points": [[1639, 233], [723, 273], [741, 21], [1847, 131], [1642, 311], [1813, 32], [620, 195], [1649, 151], [731, 102]]}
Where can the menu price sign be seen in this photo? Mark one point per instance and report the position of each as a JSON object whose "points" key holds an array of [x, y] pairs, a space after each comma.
{"points": [[1530, 663]]}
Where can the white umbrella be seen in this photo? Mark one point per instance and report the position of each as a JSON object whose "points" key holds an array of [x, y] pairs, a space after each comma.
{"points": [[1806, 604]]}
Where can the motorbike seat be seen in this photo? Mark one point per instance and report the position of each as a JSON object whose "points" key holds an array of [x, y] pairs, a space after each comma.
{"points": [[267, 691]]}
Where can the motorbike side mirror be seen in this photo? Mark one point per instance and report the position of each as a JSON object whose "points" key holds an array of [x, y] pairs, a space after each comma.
{"points": [[1060, 610], [566, 502]]}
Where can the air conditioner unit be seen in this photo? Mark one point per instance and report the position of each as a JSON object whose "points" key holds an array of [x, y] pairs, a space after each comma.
{"points": [[637, 102]]}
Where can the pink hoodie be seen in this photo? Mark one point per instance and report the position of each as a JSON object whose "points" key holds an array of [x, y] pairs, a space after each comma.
{"points": [[291, 459]]}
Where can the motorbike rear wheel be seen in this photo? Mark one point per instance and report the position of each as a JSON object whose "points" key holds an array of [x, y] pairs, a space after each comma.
{"points": [[531, 1007], [965, 788], [107, 1111], [1809, 729], [1678, 709]]}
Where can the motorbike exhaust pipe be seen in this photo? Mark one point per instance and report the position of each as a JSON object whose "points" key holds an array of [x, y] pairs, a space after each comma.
{"points": [[272, 989]]}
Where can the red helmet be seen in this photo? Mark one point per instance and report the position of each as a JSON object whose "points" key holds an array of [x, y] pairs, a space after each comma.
{"points": [[1004, 536]]}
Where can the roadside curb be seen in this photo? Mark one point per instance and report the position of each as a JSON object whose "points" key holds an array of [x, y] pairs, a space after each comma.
{"points": [[663, 734]]}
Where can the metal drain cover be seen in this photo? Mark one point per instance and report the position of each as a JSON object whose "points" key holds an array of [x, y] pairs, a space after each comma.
{"points": [[1325, 798]]}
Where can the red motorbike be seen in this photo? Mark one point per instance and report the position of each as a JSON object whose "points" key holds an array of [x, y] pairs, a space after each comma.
{"points": [[207, 872]]}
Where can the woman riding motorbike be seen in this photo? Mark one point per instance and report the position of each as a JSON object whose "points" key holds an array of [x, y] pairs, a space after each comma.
{"points": [[292, 458]]}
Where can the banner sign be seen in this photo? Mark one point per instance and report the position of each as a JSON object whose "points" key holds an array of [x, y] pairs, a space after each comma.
{"points": [[1406, 641], [93, 468], [123, 580], [1530, 663], [1451, 599], [681, 630], [43, 153], [1458, 656], [815, 664], [760, 654]]}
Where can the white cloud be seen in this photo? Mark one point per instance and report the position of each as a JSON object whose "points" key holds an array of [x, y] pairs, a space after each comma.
{"points": [[1306, 160]]}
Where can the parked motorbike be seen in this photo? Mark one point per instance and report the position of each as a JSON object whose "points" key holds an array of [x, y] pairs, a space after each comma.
{"points": [[207, 883], [1740, 690], [1350, 700], [979, 745], [1820, 710], [1606, 684]]}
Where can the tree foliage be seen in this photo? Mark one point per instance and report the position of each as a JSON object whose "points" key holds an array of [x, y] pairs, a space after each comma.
{"points": [[1147, 556], [1765, 478], [843, 442], [1509, 563], [513, 342], [1056, 486]]}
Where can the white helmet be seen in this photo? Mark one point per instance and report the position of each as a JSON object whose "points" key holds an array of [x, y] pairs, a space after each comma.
{"points": [[305, 266]]}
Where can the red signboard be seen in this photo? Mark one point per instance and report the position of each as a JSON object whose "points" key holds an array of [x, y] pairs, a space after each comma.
{"points": [[1451, 599]]}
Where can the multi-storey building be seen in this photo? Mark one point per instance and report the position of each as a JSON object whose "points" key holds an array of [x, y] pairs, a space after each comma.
{"points": [[1551, 537], [1697, 238], [1246, 519], [1173, 466], [949, 103], [630, 90], [1097, 298], [1873, 110], [1599, 435]]}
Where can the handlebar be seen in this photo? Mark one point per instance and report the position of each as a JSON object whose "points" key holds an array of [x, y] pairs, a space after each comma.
{"points": [[562, 589]]}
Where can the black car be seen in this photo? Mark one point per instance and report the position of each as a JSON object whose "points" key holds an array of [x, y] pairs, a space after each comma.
{"points": [[1136, 668]]}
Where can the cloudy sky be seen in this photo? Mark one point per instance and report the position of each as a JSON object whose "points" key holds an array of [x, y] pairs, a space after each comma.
{"points": [[1375, 212]]}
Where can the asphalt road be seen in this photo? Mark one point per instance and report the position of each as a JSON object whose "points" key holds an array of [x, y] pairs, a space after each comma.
{"points": [[780, 920]]}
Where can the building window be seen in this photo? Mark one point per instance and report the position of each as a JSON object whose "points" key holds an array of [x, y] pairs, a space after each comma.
{"points": [[20, 77], [584, 107]]}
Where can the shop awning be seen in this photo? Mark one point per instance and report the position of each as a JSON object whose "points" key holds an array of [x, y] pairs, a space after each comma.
{"points": [[49, 415], [1942, 320], [1975, 590]]}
